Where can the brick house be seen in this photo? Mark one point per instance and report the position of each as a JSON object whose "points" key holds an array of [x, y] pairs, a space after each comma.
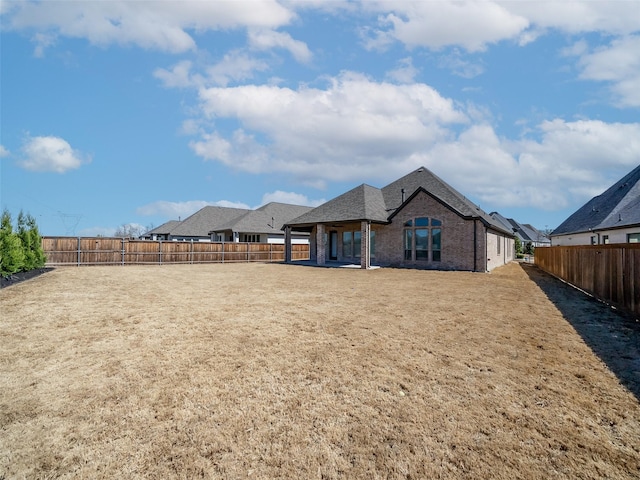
{"points": [[417, 221]]}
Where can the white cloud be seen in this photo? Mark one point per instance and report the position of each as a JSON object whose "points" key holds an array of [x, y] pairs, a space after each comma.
{"points": [[357, 129], [468, 24], [178, 76], [235, 66], [290, 197], [4, 152], [619, 64], [612, 17], [355, 124], [405, 71], [473, 24], [51, 154], [161, 25], [263, 39], [455, 62], [182, 210]]}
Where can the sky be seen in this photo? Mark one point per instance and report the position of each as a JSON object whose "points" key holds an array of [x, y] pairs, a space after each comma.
{"points": [[135, 113]]}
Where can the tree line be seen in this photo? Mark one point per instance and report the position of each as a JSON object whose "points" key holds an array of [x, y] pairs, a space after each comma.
{"points": [[20, 248]]}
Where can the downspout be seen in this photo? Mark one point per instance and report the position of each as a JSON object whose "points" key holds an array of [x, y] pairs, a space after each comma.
{"points": [[475, 247]]}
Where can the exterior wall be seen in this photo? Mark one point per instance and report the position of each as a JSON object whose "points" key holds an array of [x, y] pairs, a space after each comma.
{"points": [[457, 237], [279, 239], [497, 257], [618, 235]]}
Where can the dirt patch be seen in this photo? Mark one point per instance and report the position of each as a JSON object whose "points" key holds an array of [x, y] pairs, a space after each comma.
{"points": [[277, 371], [22, 276]]}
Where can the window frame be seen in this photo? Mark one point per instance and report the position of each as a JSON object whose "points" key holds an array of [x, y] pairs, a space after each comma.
{"points": [[413, 231]]}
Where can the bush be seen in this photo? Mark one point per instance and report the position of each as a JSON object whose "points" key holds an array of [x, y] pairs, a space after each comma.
{"points": [[20, 251]]}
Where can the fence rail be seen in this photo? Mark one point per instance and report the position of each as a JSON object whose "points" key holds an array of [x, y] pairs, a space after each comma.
{"points": [[79, 251], [610, 273]]}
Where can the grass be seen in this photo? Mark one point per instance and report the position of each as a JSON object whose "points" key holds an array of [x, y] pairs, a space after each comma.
{"points": [[276, 371]]}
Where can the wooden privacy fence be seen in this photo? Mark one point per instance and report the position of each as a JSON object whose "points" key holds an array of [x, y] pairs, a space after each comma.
{"points": [[610, 273], [123, 251]]}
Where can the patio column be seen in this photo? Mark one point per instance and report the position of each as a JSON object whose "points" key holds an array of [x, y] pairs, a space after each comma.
{"points": [[320, 245], [365, 245], [287, 244]]}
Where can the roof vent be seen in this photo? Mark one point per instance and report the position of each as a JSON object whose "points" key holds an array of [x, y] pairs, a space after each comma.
{"points": [[402, 192]]}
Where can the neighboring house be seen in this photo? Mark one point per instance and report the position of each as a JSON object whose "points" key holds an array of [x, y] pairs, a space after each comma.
{"points": [[197, 226], [163, 232], [418, 221], [613, 217], [224, 224], [263, 225], [523, 231]]}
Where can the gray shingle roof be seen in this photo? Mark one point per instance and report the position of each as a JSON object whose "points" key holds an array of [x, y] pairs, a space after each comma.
{"points": [[200, 223], [266, 219], [380, 205], [618, 206], [434, 185], [164, 229], [363, 202]]}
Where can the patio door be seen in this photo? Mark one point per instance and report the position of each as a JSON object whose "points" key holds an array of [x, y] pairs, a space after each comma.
{"points": [[333, 245]]}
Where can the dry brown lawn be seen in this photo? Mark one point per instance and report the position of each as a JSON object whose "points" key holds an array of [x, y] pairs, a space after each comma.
{"points": [[279, 371]]}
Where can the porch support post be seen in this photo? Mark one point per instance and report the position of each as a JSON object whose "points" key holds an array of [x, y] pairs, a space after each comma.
{"points": [[287, 244], [320, 245], [365, 245]]}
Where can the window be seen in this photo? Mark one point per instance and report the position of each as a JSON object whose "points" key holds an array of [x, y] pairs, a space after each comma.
{"points": [[605, 239], [633, 238], [594, 240], [423, 242], [499, 242], [352, 244], [347, 244], [247, 237]]}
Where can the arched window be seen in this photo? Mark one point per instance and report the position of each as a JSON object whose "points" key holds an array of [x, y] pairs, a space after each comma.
{"points": [[423, 239]]}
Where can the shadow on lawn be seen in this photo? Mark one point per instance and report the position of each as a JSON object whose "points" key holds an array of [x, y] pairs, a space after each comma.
{"points": [[612, 335]]}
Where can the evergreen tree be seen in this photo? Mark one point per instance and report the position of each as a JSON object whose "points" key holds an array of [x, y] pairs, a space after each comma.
{"points": [[518, 246], [11, 252], [39, 258]]}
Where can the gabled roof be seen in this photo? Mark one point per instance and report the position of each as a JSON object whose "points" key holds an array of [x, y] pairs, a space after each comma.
{"points": [[380, 205], [266, 219], [618, 206], [361, 203], [199, 224], [164, 229], [539, 236]]}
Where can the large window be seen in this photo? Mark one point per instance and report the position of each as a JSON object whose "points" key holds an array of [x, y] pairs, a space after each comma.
{"points": [[352, 244], [633, 238], [423, 239]]}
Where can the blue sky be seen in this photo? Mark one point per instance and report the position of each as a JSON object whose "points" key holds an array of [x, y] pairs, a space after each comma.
{"points": [[138, 112]]}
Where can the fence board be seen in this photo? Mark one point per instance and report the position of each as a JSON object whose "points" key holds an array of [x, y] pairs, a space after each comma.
{"points": [[123, 251], [610, 273]]}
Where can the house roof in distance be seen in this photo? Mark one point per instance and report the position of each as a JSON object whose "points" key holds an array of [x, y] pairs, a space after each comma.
{"points": [[165, 228], [266, 219], [618, 206], [199, 224]]}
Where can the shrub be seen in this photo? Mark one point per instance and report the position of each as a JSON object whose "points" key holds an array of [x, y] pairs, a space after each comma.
{"points": [[22, 250]]}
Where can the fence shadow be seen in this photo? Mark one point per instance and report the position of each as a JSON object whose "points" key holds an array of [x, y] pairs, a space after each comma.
{"points": [[612, 335]]}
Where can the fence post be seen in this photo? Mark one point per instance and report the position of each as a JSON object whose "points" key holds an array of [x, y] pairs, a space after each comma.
{"points": [[160, 252], [123, 251], [79, 251]]}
